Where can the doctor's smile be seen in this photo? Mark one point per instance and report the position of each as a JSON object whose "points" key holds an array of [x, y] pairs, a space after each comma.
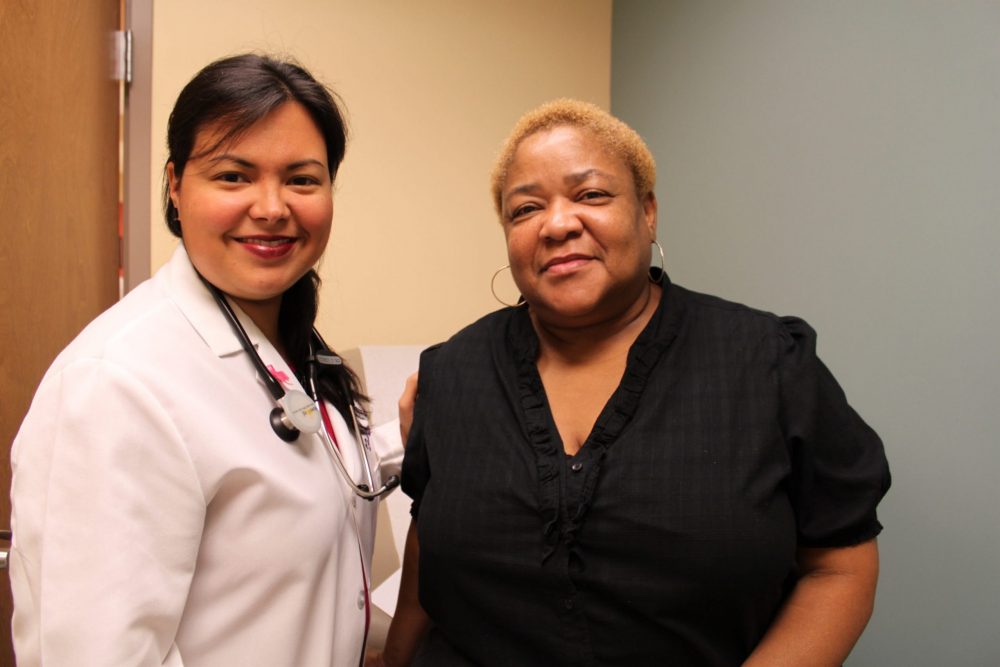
{"points": [[267, 247]]}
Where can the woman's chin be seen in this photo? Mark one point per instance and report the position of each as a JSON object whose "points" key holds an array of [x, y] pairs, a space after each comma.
{"points": [[566, 312]]}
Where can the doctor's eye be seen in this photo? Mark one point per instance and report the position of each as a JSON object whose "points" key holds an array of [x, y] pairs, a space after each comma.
{"points": [[231, 177], [304, 180]]}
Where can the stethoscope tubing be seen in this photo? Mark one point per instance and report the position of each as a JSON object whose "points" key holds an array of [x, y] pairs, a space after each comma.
{"points": [[364, 490], [277, 392]]}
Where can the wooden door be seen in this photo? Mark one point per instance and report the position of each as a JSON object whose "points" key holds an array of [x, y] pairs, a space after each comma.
{"points": [[59, 124]]}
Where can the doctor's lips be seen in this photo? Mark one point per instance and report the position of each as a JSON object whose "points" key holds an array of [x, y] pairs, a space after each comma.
{"points": [[267, 247], [566, 263]]}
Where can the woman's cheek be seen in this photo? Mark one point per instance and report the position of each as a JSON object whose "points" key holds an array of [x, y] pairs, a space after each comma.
{"points": [[520, 263]]}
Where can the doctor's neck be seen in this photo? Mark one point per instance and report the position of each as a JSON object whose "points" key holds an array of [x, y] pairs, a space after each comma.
{"points": [[265, 315]]}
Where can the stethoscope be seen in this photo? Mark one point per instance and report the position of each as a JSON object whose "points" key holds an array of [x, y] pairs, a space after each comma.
{"points": [[298, 412]]}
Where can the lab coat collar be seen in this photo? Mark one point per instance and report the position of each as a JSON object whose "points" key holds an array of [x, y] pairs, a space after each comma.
{"points": [[198, 306]]}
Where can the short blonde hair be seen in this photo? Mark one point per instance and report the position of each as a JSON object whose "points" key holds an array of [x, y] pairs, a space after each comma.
{"points": [[618, 137]]}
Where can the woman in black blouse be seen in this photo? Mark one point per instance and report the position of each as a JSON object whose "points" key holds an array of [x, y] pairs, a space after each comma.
{"points": [[622, 471]]}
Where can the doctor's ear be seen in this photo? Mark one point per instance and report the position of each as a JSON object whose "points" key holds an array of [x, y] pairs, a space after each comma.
{"points": [[172, 202], [173, 183]]}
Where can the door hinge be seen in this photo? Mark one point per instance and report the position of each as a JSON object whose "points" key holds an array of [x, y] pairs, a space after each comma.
{"points": [[121, 55]]}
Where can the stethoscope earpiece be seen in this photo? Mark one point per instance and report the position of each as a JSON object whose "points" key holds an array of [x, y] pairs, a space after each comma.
{"points": [[391, 483]]}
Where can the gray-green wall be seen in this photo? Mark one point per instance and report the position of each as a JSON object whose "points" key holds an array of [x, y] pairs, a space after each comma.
{"points": [[841, 161]]}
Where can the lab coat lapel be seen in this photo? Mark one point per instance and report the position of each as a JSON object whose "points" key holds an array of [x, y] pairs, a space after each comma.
{"points": [[199, 308]]}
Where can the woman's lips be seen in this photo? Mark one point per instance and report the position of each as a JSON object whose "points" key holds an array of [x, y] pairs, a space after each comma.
{"points": [[565, 264], [271, 247]]}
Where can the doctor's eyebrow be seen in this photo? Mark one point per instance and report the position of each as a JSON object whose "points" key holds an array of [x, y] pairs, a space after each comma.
{"points": [[298, 164]]}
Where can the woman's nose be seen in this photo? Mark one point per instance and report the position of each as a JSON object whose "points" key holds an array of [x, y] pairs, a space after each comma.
{"points": [[269, 204], [561, 222]]}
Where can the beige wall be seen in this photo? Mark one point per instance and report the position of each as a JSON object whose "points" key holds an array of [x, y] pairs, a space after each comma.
{"points": [[431, 89]]}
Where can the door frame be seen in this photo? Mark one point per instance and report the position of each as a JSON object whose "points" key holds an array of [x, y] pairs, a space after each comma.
{"points": [[137, 169]]}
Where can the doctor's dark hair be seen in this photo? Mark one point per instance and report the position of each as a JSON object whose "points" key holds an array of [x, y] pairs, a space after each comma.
{"points": [[233, 94]]}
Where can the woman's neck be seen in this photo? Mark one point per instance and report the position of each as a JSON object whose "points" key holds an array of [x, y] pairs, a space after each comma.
{"points": [[575, 345], [265, 315]]}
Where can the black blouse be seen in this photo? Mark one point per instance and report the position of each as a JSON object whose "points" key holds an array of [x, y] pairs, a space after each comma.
{"points": [[671, 536]]}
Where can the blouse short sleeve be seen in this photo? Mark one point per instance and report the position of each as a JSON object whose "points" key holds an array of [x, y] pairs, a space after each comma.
{"points": [[839, 469], [416, 465]]}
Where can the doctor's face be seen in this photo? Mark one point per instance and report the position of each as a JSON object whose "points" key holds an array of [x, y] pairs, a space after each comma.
{"points": [[256, 211]]}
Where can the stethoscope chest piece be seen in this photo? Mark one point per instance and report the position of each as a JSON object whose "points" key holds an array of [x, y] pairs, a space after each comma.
{"points": [[296, 413]]}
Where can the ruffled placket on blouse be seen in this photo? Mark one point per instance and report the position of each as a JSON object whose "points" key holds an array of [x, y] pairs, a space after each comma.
{"points": [[566, 485]]}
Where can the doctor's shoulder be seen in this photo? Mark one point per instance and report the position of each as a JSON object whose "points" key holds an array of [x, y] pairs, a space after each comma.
{"points": [[137, 326]]}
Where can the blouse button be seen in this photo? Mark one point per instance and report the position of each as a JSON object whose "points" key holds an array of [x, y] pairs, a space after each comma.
{"points": [[361, 599], [576, 467]]}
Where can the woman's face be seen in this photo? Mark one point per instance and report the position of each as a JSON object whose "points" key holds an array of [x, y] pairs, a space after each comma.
{"points": [[578, 237], [256, 212]]}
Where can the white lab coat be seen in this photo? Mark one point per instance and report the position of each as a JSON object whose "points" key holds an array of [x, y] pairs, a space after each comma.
{"points": [[157, 518]]}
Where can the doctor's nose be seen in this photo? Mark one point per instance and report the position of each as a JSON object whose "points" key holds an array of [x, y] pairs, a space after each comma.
{"points": [[269, 205]]}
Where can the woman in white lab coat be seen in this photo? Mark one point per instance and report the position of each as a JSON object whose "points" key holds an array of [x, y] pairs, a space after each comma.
{"points": [[159, 517]]}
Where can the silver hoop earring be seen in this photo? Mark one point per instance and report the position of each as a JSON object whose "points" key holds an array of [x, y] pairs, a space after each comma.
{"points": [[662, 269], [493, 288]]}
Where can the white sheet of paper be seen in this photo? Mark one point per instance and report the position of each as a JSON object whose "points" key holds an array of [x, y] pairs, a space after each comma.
{"points": [[384, 597]]}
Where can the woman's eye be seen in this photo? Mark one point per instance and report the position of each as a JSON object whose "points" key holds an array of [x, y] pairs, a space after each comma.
{"points": [[231, 177], [523, 210], [303, 180], [594, 194]]}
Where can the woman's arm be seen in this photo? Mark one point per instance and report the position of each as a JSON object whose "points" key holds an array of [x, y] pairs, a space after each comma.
{"points": [[827, 610], [410, 623]]}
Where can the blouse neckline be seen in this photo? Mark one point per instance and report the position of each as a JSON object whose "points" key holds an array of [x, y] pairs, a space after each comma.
{"points": [[562, 516]]}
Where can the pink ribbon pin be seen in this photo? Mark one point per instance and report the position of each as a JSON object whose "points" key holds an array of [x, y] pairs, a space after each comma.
{"points": [[280, 376]]}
